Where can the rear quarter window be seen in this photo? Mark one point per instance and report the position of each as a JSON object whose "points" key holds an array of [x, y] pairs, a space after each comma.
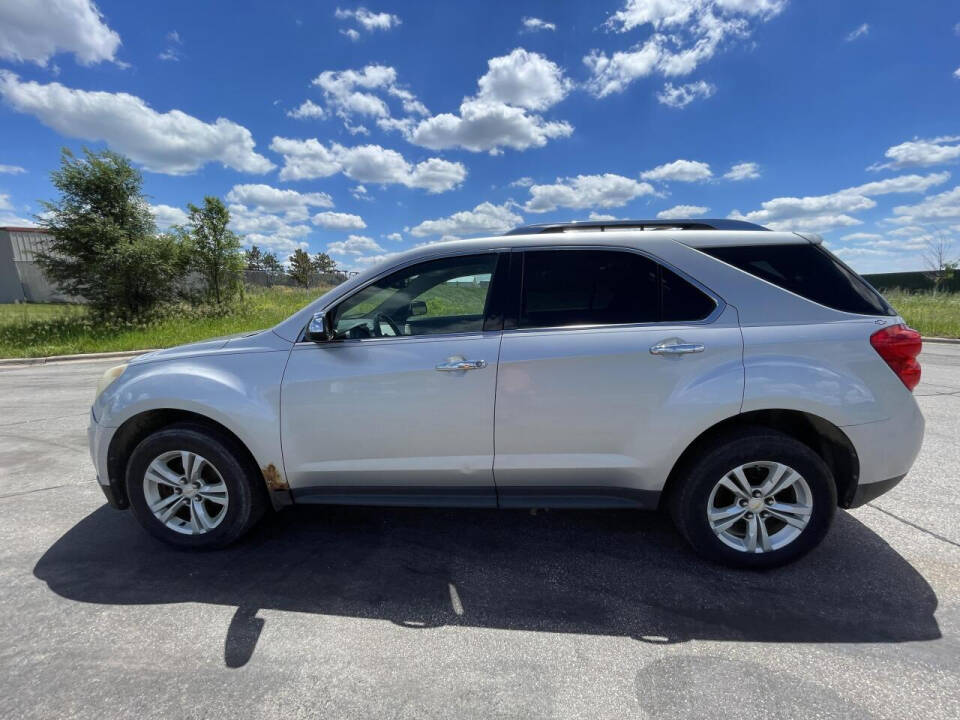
{"points": [[809, 271]]}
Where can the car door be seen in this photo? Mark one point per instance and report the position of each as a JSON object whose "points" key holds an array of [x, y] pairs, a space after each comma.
{"points": [[398, 408], [614, 365]]}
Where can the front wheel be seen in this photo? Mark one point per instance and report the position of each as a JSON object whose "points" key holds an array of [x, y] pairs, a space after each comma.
{"points": [[756, 498], [191, 487]]}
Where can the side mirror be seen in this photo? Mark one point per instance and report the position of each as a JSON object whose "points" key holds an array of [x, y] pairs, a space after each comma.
{"points": [[417, 307], [317, 330]]}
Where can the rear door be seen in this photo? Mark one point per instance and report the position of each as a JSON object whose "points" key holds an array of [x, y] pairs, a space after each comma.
{"points": [[612, 365]]}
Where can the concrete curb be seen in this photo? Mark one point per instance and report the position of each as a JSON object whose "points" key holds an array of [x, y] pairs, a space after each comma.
{"points": [[69, 358], [135, 353]]}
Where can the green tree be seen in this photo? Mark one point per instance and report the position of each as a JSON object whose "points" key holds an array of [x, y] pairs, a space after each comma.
{"points": [[302, 269], [323, 263], [215, 249], [254, 258], [105, 246]]}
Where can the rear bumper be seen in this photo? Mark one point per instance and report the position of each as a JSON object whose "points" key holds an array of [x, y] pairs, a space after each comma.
{"points": [[866, 493], [886, 451]]}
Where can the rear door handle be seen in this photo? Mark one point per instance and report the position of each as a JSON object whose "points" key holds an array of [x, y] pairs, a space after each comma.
{"points": [[676, 348], [458, 364]]}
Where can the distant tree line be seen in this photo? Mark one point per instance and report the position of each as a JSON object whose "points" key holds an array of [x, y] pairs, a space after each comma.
{"points": [[106, 247]]}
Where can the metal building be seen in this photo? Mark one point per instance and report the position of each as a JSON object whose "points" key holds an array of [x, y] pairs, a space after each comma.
{"points": [[21, 279]]}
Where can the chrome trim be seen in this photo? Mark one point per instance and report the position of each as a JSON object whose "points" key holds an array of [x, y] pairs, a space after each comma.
{"points": [[675, 348], [457, 364]]}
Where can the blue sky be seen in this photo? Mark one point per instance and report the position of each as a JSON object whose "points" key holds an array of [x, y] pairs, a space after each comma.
{"points": [[361, 130]]}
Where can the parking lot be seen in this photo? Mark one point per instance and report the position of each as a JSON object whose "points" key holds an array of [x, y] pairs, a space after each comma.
{"points": [[382, 613]]}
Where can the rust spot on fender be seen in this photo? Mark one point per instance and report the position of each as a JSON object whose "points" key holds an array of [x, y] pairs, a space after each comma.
{"points": [[274, 480]]}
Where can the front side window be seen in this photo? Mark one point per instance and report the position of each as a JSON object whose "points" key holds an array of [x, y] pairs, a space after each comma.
{"points": [[563, 288], [439, 296]]}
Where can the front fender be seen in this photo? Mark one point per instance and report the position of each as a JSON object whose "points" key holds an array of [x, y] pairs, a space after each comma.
{"points": [[240, 391]]}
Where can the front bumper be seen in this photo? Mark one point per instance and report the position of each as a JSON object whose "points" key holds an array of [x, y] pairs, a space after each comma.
{"points": [[98, 438]]}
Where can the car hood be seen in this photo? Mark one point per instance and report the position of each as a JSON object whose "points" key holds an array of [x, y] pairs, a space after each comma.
{"points": [[259, 340]]}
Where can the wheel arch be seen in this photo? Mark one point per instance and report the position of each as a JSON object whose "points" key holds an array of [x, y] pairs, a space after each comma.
{"points": [[133, 430], [817, 433]]}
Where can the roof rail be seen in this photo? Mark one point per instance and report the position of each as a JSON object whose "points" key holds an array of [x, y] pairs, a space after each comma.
{"points": [[603, 225]]}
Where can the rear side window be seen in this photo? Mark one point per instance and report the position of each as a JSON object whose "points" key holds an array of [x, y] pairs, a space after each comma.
{"points": [[602, 287], [810, 272]]}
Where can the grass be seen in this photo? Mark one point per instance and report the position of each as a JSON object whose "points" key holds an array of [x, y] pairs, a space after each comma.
{"points": [[933, 315], [29, 330]]}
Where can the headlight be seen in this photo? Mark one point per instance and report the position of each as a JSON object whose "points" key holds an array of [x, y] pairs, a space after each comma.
{"points": [[108, 377]]}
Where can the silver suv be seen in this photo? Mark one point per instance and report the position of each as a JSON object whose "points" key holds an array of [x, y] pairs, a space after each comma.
{"points": [[745, 380]]}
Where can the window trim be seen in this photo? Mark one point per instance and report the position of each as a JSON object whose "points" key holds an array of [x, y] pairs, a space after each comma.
{"points": [[496, 252], [719, 303]]}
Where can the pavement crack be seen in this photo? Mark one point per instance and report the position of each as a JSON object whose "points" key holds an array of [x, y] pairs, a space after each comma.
{"points": [[43, 419], [42, 489], [922, 529]]}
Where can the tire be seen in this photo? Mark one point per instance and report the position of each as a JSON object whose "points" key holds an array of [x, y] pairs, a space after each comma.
{"points": [[759, 454], [199, 518]]}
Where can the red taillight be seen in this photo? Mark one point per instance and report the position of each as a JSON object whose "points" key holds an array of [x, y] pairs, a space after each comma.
{"points": [[899, 346]]}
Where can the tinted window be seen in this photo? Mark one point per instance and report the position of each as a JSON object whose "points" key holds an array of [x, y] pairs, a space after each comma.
{"points": [[599, 287], [587, 287], [809, 271], [439, 296], [681, 300]]}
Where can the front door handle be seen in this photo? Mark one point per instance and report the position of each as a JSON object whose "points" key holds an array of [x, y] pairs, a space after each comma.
{"points": [[676, 348], [456, 364]]}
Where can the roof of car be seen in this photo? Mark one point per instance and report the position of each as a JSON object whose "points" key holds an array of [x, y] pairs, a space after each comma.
{"points": [[658, 224]]}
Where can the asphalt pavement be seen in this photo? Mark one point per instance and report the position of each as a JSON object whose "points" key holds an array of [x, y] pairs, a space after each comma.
{"points": [[387, 613]]}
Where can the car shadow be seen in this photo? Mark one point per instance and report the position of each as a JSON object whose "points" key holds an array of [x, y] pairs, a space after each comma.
{"points": [[597, 572]]}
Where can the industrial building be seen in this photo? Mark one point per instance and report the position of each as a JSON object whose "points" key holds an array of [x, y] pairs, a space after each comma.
{"points": [[21, 279]]}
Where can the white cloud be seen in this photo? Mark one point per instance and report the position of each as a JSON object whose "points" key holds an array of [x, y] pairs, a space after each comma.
{"points": [[271, 200], [600, 216], [36, 30], [485, 218], [679, 171], [922, 153], [172, 52], [355, 245], [11, 170], [166, 215], [743, 171], [351, 34], [307, 109], [369, 21], [853, 237], [525, 181], [307, 159], [826, 212], [281, 233], [352, 93], [683, 211], [532, 24], [956, 73], [339, 221], [498, 117], [680, 96], [395, 236], [5, 203], [173, 142], [686, 34], [859, 32], [932, 209], [586, 191], [483, 126], [523, 79]]}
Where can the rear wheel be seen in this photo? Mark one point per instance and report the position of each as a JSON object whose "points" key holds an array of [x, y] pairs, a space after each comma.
{"points": [[755, 498], [192, 487]]}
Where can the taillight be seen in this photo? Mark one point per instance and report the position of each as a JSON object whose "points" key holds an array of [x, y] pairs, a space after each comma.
{"points": [[899, 346]]}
